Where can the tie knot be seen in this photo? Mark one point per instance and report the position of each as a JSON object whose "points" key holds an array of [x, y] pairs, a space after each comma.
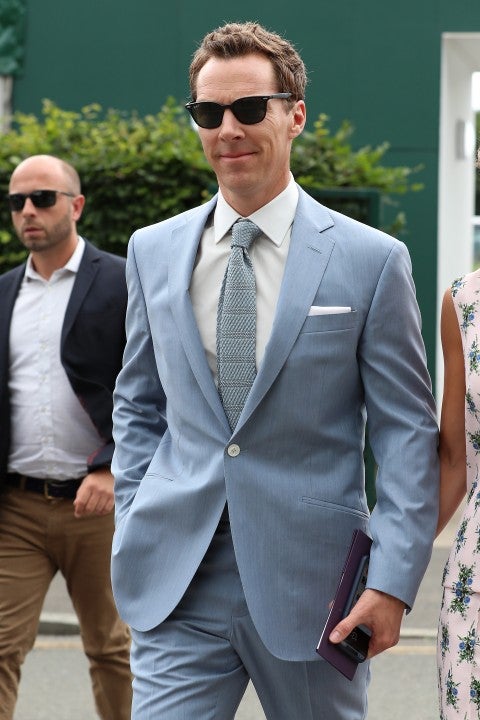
{"points": [[244, 233]]}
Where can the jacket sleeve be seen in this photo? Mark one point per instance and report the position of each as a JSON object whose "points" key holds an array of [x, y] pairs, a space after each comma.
{"points": [[101, 458], [403, 432], [139, 413]]}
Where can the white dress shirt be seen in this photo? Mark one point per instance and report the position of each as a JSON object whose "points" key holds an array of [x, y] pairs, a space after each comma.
{"points": [[51, 434], [268, 254]]}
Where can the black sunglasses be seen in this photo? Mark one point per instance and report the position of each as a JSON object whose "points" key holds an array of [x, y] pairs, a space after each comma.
{"points": [[40, 198], [247, 110]]}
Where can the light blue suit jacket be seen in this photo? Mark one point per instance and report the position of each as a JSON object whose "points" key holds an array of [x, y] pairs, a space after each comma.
{"points": [[295, 491]]}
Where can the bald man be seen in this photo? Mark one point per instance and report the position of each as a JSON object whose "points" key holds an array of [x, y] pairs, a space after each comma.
{"points": [[61, 345]]}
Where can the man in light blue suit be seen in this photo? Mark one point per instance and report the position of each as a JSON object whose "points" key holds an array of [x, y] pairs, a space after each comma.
{"points": [[230, 537]]}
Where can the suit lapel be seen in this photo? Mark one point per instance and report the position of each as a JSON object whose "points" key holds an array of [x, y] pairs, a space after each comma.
{"points": [[185, 241], [85, 275], [308, 257]]}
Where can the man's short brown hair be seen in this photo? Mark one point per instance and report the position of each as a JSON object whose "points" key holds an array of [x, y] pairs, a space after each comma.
{"points": [[238, 39]]}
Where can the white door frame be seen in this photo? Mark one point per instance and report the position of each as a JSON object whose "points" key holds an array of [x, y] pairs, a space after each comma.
{"points": [[456, 176]]}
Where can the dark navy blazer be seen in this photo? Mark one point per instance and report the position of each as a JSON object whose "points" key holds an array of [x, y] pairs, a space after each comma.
{"points": [[92, 343]]}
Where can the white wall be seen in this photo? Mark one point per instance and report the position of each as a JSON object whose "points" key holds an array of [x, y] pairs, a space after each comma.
{"points": [[5, 101]]}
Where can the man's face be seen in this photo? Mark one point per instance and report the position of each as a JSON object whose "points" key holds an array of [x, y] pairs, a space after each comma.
{"points": [[252, 162], [44, 229]]}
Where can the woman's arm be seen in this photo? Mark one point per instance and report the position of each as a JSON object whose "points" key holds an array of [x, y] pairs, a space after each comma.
{"points": [[452, 422]]}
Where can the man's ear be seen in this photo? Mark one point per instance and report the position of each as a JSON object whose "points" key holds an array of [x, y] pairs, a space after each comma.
{"points": [[78, 204], [299, 118]]}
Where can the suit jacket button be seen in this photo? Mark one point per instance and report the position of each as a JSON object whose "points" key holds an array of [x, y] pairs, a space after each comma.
{"points": [[233, 450]]}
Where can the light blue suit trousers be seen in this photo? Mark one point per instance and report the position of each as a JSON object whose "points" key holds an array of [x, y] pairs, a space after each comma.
{"points": [[212, 622]]}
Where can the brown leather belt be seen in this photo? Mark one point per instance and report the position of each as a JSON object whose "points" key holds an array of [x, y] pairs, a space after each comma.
{"points": [[50, 489]]}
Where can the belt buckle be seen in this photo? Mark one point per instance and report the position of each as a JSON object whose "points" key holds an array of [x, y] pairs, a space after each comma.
{"points": [[46, 494]]}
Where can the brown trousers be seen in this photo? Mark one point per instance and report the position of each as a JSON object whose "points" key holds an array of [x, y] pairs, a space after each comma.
{"points": [[38, 537]]}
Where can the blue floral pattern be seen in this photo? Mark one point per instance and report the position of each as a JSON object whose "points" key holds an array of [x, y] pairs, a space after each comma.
{"points": [[458, 644]]}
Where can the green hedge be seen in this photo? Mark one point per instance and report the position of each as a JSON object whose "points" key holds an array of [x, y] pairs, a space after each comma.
{"points": [[138, 170]]}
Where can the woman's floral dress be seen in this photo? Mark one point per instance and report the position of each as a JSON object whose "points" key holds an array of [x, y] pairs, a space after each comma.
{"points": [[458, 647]]}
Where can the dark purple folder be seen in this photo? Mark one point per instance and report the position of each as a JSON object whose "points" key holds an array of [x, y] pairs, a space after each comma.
{"points": [[359, 547]]}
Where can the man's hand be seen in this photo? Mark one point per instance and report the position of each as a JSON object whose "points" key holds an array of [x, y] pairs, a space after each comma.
{"points": [[381, 613], [95, 494]]}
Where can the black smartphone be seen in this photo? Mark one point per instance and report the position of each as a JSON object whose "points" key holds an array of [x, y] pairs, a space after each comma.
{"points": [[355, 645]]}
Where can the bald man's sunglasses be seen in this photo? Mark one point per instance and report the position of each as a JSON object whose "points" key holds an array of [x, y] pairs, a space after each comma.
{"points": [[247, 110], [40, 198]]}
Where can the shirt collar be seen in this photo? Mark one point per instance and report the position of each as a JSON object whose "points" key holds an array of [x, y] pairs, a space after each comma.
{"points": [[273, 219], [71, 265]]}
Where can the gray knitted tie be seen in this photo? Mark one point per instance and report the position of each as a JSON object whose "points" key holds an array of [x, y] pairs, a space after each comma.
{"points": [[236, 323]]}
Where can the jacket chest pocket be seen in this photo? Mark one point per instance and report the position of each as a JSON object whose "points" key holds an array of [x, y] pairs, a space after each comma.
{"points": [[330, 323]]}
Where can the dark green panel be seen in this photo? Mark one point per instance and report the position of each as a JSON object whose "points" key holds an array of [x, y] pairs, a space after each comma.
{"points": [[460, 16], [12, 36], [120, 54], [397, 77]]}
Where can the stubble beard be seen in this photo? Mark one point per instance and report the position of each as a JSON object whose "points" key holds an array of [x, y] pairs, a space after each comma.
{"points": [[52, 238]]}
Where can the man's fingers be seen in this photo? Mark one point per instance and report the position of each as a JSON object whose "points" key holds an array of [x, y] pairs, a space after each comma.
{"points": [[341, 631]]}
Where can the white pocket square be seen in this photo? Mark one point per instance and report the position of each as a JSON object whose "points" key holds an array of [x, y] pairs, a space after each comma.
{"points": [[328, 310]]}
